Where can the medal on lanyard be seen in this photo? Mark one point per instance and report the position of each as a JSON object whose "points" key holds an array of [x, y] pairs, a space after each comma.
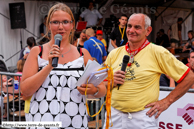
{"points": [[122, 35], [131, 60], [133, 53], [121, 41]]}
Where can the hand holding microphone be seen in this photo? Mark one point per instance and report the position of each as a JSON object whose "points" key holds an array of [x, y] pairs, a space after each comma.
{"points": [[124, 65], [58, 39]]}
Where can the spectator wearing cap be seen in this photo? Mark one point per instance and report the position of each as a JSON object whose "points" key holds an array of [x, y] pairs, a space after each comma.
{"points": [[99, 34], [174, 32]]}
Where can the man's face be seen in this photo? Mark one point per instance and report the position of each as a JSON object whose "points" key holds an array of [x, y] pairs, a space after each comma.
{"points": [[161, 33], [180, 22], [90, 6], [99, 36], [191, 60], [136, 31], [123, 21]]}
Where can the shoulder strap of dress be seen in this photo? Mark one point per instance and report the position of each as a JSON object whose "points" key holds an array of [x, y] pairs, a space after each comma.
{"points": [[41, 49], [77, 42]]}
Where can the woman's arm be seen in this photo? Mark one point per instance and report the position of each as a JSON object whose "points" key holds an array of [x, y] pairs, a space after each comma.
{"points": [[32, 79], [192, 44], [185, 47], [98, 91]]}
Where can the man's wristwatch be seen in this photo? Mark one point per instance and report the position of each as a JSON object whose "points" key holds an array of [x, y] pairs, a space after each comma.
{"points": [[96, 91]]}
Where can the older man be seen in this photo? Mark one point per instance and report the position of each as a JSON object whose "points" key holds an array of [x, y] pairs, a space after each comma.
{"points": [[135, 105]]}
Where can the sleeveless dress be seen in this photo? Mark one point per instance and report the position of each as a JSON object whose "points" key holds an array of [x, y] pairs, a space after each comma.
{"points": [[58, 99]]}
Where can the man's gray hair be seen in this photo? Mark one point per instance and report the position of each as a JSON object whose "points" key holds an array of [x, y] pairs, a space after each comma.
{"points": [[146, 19]]}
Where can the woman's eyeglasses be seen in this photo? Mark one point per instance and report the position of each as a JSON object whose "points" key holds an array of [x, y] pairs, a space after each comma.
{"points": [[57, 23]]}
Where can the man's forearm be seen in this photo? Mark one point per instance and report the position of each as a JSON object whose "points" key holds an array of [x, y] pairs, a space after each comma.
{"points": [[80, 18], [114, 43], [181, 88], [100, 21]]}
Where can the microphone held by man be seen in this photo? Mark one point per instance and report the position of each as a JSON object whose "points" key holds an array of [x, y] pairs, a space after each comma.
{"points": [[124, 65]]}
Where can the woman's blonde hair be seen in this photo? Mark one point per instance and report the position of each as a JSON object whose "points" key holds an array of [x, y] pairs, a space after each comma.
{"points": [[20, 65], [65, 8]]}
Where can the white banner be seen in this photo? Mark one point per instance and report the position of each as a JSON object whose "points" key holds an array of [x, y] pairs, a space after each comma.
{"points": [[180, 115]]}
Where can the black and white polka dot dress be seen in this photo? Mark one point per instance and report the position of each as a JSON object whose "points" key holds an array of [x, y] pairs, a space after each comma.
{"points": [[58, 99]]}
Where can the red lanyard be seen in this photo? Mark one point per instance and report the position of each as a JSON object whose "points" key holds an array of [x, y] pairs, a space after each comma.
{"points": [[135, 51]]}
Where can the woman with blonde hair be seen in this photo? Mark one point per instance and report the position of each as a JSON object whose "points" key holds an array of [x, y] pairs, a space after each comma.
{"points": [[55, 96], [20, 65], [80, 41]]}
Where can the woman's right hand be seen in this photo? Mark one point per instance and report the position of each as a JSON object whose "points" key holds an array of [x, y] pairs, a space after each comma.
{"points": [[54, 52]]}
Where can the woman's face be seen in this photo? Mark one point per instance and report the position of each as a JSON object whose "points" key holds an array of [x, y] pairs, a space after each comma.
{"points": [[83, 37], [60, 23], [190, 35]]}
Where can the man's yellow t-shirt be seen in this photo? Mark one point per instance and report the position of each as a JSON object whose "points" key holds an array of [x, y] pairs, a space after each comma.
{"points": [[141, 85]]}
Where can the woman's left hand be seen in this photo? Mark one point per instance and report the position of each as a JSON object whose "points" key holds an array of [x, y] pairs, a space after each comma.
{"points": [[91, 89]]}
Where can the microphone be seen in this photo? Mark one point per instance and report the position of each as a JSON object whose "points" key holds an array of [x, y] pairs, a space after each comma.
{"points": [[58, 39], [124, 65]]}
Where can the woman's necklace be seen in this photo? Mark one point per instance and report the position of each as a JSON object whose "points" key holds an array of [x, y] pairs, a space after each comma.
{"points": [[63, 53]]}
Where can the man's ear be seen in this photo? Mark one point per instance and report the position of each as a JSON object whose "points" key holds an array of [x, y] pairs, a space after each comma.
{"points": [[148, 30], [120, 20], [188, 60]]}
